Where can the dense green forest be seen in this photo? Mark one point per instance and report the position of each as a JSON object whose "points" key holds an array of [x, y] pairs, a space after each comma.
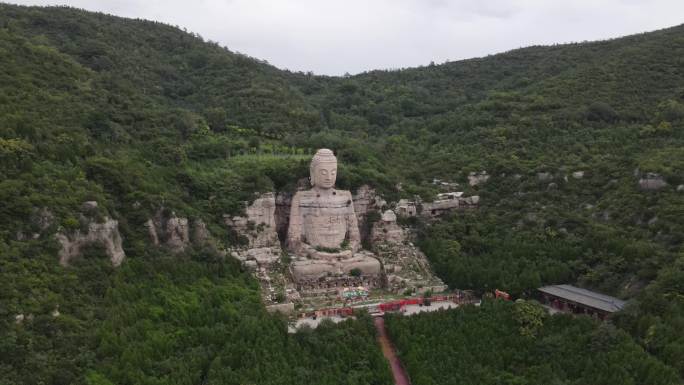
{"points": [[169, 321], [141, 116], [518, 343]]}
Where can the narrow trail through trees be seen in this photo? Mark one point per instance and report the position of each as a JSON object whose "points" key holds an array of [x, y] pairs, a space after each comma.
{"points": [[400, 376]]}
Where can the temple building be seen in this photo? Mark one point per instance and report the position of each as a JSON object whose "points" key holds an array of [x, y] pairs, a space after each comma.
{"points": [[575, 300]]}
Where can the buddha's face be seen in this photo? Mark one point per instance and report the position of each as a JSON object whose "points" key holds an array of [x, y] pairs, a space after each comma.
{"points": [[324, 175]]}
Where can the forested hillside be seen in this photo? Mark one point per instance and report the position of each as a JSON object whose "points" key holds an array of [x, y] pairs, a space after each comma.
{"points": [[506, 343], [141, 116]]}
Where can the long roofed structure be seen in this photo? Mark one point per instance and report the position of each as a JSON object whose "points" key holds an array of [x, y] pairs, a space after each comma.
{"points": [[574, 296]]}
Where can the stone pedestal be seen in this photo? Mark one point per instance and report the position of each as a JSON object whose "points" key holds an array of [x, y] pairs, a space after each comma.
{"points": [[361, 264], [333, 285]]}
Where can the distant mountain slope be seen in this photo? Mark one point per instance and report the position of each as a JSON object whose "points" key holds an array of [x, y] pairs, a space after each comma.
{"points": [[162, 64], [611, 71]]}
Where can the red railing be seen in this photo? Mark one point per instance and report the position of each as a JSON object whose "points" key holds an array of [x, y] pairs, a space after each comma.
{"points": [[384, 307]]}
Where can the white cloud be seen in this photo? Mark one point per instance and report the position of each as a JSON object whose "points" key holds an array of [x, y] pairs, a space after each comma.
{"points": [[334, 37]]}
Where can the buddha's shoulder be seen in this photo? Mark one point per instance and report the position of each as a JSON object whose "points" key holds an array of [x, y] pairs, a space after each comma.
{"points": [[314, 194], [344, 193], [308, 196]]}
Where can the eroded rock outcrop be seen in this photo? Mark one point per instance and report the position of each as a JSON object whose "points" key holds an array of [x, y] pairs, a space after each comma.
{"points": [[406, 267], [167, 229], [366, 200], [544, 176], [652, 182], [447, 203], [258, 225], [41, 220], [176, 233], [283, 201], [200, 233], [323, 227], [578, 174], [258, 229], [477, 178], [105, 234], [261, 250], [201, 236], [386, 230]]}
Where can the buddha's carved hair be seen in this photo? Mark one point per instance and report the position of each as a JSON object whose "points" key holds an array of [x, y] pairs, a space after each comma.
{"points": [[323, 155]]}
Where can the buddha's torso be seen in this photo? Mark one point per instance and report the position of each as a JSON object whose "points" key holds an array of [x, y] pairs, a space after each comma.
{"points": [[325, 219]]}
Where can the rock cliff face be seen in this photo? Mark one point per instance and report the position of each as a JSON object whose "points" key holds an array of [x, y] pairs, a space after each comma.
{"points": [[200, 233], [445, 203], [258, 227], [169, 230], [366, 200], [177, 233], [652, 182], [387, 230], [405, 266], [105, 233], [283, 203], [544, 176], [261, 251], [578, 174], [265, 224], [477, 178], [41, 220]]}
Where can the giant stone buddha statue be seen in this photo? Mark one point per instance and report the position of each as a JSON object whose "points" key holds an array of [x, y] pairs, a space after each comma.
{"points": [[323, 232]]}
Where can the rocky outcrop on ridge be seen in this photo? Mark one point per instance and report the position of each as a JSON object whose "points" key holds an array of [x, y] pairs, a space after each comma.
{"points": [[169, 230], [105, 233], [258, 229]]}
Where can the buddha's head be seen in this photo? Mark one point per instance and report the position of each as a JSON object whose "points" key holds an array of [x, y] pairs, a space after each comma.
{"points": [[323, 169]]}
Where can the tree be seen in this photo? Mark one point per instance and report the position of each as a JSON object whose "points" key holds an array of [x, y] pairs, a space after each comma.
{"points": [[529, 316]]}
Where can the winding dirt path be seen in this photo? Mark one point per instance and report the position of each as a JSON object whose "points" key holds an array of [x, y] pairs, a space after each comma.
{"points": [[400, 376]]}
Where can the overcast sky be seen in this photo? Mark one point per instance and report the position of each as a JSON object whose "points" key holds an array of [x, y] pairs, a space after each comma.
{"points": [[334, 37]]}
